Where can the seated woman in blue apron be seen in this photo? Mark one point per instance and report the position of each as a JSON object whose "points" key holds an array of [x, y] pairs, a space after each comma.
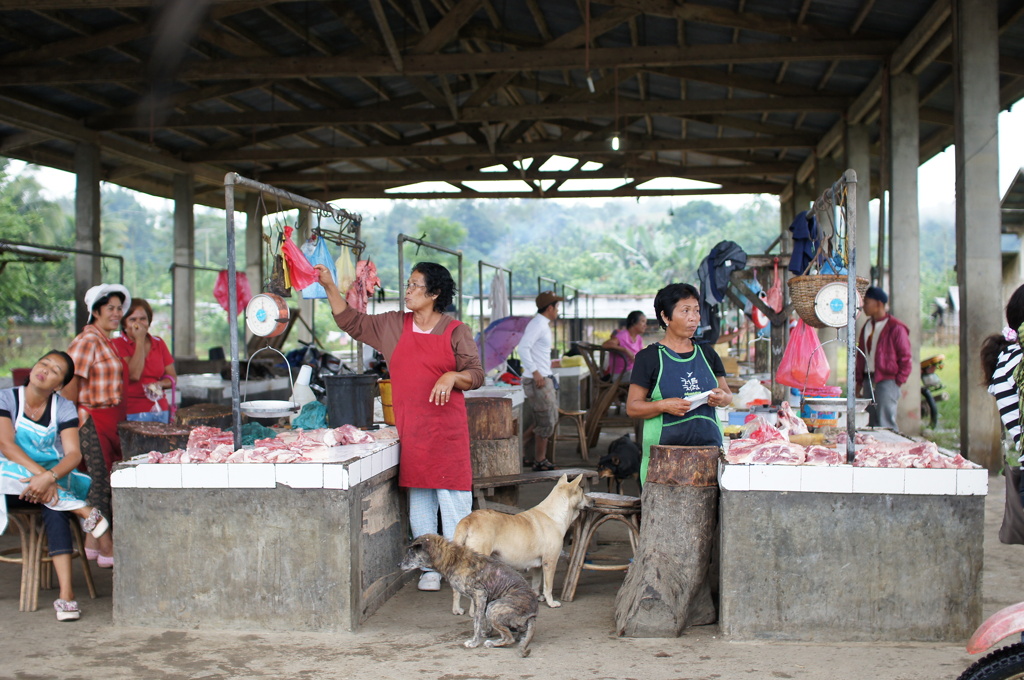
{"points": [[668, 376], [40, 451]]}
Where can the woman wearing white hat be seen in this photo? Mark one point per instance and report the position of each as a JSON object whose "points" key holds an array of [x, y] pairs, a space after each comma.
{"points": [[98, 390]]}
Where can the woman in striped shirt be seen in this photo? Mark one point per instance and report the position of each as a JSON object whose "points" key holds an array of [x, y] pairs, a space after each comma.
{"points": [[1000, 359], [98, 390]]}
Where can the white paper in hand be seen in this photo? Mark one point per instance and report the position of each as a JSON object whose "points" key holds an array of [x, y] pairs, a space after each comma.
{"points": [[699, 399]]}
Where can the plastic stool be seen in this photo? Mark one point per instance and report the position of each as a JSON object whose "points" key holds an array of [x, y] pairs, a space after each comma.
{"points": [[605, 507]]}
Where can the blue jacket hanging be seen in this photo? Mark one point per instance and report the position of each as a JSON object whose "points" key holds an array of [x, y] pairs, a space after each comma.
{"points": [[714, 274], [806, 238]]}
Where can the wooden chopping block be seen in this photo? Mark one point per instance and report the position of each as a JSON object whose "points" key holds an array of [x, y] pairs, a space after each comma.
{"points": [[495, 458], [138, 438], [667, 588], [490, 418], [211, 415]]}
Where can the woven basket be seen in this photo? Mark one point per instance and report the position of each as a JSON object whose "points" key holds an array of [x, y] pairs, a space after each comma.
{"points": [[803, 289]]}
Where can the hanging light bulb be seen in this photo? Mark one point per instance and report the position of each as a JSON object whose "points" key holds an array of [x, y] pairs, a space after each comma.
{"points": [[615, 141]]}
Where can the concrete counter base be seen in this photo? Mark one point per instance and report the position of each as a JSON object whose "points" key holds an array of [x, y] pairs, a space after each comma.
{"points": [[830, 567], [284, 559]]}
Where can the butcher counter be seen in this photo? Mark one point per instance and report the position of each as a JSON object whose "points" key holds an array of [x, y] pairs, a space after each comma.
{"points": [[843, 553], [309, 546]]}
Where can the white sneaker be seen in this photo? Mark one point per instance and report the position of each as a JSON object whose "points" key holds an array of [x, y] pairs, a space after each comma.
{"points": [[430, 580]]}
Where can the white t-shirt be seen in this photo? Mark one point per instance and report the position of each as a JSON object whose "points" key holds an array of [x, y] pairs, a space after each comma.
{"points": [[535, 347]]}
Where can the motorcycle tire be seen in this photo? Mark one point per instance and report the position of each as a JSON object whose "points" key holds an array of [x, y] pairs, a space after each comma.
{"points": [[929, 410], [1006, 663]]}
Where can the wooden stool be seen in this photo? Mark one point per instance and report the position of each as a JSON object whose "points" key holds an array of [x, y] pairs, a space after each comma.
{"points": [[32, 555], [581, 433], [605, 507]]}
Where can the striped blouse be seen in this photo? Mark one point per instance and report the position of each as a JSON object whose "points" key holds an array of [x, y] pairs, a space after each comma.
{"points": [[1004, 389]]}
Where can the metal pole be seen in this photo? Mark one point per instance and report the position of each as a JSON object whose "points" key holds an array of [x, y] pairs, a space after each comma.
{"points": [[171, 268], [850, 179], [229, 208]]}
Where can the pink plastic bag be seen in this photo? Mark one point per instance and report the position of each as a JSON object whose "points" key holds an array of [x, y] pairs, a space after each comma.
{"points": [[801, 365], [774, 298], [299, 269], [243, 293]]}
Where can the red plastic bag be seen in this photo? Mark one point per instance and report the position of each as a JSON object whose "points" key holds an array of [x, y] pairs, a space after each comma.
{"points": [[801, 365], [243, 293], [300, 270]]}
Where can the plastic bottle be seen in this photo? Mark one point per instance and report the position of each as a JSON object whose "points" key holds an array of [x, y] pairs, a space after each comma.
{"points": [[302, 394]]}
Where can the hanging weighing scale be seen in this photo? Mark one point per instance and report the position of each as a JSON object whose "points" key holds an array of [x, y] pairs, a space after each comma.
{"points": [[831, 308], [267, 316], [830, 304]]}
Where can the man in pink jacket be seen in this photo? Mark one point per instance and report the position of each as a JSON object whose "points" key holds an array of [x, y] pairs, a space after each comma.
{"points": [[885, 362]]}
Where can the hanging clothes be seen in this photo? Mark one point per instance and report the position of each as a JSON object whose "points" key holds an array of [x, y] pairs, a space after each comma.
{"points": [[499, 297], [714, 273], [806, 239]]}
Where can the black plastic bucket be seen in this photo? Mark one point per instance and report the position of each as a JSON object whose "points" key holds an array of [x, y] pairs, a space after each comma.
{"points": [[350, 399]]}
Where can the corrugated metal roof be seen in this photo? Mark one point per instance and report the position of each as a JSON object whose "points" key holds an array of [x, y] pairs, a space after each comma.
{"points": [[355, 99]]}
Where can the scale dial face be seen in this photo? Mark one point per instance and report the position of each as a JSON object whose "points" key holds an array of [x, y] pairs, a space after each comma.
{"points": [[266, 315], [830, 304]]}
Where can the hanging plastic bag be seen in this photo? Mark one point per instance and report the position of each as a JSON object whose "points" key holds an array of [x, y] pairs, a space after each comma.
{"points": [[774, 297], [243, 293], [317, 253], [345, 269], [300, 271], [801, 365]]}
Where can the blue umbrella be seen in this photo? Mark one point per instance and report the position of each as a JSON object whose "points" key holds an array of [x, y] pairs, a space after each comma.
{"points": [[501, 337]]}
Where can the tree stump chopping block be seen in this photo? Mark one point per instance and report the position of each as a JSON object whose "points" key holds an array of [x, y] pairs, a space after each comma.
{"points": [[138, 438], [490, 418], [493, 444], [495, 458], [666, 589], [211, 415]]}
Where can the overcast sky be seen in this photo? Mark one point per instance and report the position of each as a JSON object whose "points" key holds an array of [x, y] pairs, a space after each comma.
{"points": [[936, 178]]}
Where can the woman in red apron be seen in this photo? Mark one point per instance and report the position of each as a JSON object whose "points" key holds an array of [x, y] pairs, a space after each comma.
{"points": [[432, 359]]}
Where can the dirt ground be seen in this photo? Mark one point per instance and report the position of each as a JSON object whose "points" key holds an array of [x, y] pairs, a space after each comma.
{"points": [[414, 636]]}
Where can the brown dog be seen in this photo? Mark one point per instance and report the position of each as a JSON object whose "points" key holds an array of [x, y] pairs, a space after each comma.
{"points": [[501, 597], [530, 540]]}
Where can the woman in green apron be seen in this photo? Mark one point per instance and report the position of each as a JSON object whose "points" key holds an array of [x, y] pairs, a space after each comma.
{"points": [[670, 377]]}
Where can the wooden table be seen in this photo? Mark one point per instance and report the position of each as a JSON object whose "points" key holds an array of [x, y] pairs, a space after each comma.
{"points": [[484, 486]]}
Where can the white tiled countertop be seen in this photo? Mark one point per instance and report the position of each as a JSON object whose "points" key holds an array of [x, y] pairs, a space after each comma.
{"points": [[341, 468], [850, 479]]}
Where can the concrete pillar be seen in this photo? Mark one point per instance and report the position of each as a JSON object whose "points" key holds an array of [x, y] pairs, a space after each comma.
{"points": [[858, 158], [827, 173], [978, 257], [88, 268], [254, 249], [184, 277], [306, 223], [904, 244]]}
